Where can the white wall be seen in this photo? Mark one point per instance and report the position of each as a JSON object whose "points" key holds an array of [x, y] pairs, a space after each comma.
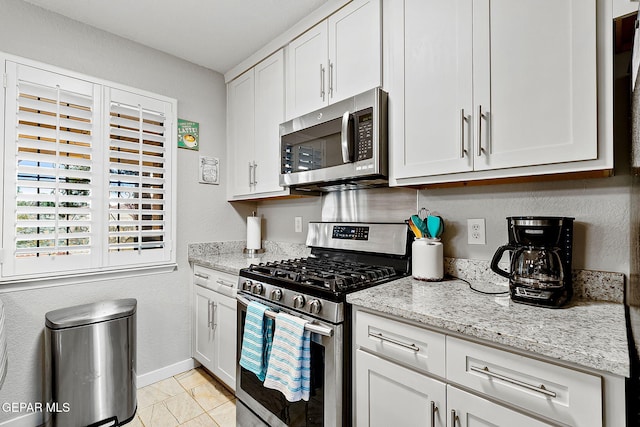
{"points": [[203, 213]]}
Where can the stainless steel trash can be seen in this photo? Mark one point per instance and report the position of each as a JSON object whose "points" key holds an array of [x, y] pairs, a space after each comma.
{"points": [[90, 364]]}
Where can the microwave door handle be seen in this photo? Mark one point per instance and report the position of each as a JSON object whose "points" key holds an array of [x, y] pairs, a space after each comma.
{"points": [[346, 146]]}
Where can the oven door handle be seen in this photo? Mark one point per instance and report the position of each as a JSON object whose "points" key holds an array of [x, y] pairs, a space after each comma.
{"points": [[311, 327]]}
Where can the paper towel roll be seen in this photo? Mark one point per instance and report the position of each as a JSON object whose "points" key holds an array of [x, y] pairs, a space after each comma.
{"points": [[254, 232], [427, 262]]}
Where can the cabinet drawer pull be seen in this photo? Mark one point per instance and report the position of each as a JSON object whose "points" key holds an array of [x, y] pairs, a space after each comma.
{"points": [[540, 389], [434, 409], [202, 276], [454, 418], [396, 342], [223, 283]]}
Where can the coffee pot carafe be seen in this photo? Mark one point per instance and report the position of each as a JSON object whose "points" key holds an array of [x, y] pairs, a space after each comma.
{"points": [[540, 260]]}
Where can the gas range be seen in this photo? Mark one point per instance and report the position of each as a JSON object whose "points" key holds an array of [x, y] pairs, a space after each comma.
{"points": [[345, 257]]}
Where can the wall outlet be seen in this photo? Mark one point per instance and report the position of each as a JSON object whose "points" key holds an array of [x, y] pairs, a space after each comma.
{"points": [[476, 232], [297, 224]]}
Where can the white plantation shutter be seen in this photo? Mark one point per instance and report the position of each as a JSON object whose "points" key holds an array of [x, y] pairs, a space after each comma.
{"points": [[139, 178], [49, 179], [88, 176]]}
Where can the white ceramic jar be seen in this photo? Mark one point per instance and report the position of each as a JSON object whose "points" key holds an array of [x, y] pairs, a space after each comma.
{"points": [[427, 262]]}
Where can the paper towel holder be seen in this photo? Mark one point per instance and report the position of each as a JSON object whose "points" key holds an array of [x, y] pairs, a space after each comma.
{"points": [[253, 251]]}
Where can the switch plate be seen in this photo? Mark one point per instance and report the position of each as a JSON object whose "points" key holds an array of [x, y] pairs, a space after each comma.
{"points": [[476, 232], [297, 224]]}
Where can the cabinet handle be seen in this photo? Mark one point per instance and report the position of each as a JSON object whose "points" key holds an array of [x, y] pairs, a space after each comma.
{"points": [[213, 316], [223, 283], [480, 117], [202, 276], [250, 176], [463, 119], [330, 79], [321, 82], [454, 418], [434, 409], [255, 165], [540, 389], [396, 342], [209, 318]]}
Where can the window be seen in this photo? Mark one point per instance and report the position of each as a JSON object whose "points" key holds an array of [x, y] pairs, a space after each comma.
{"points": [[88, 175]]}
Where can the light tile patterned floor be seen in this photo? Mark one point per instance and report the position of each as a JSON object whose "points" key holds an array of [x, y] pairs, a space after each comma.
{"points": [[191, 399]]}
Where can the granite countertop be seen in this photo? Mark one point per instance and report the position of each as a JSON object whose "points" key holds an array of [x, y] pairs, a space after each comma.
{"points": [[589, 332], [585, 332], [228, 256]]}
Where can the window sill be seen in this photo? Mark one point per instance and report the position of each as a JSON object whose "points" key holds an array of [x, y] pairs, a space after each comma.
{"points": [[21, 284]]}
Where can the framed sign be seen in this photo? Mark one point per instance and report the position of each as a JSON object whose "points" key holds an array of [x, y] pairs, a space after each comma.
{"points": [[209, 170], [188, 134]]}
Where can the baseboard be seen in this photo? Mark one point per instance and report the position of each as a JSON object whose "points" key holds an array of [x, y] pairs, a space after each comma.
{"points": [[165, 372], [36, 418]]}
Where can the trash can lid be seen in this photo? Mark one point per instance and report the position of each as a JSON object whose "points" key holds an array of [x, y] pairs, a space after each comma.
{"points": [[87, 314]]}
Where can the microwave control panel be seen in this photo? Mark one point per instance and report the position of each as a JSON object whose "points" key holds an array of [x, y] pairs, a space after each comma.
{"points": [[364, 134]]}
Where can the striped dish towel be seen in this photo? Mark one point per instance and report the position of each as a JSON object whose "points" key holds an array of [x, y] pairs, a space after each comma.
{"points": [[289, 362], [256, 340]]}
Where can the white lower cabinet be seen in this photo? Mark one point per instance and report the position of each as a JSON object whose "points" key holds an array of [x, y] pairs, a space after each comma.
{"points": [[214, 323], [389, 394], [399, 381], [468, 410]]}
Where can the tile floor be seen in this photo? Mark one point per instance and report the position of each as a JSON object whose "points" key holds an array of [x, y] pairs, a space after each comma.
{"points": [[191, 399]]}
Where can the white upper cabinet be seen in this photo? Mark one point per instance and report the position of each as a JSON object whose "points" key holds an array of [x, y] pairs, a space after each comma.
{"points": [[255, 109], [486, 89], [338, 58], [269, 113], [624, 7]]}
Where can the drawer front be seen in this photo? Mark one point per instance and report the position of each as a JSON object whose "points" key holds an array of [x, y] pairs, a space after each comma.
{"points": [[218, 281], [417, 347], [559, 393]]}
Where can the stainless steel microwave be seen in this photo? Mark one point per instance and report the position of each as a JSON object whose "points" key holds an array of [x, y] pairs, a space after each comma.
{"points": [[341, 146]]}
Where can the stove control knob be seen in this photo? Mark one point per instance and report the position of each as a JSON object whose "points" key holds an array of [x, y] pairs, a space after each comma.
{"points": [[247, 285], [257, 288], [315, 306], [276, 295], [298, 301]]}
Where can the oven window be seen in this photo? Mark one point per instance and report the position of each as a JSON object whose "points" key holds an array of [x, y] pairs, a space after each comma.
{"points": [[296, 414]]}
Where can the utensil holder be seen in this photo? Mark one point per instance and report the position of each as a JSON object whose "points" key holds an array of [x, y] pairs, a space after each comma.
{"points": [[427, 262]]}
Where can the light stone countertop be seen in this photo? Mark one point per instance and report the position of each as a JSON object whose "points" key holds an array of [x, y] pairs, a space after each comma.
{"points": [[586, 332], [228, 256], [591, 334]]}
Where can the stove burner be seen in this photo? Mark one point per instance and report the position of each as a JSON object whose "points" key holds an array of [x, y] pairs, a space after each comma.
{"points": [[330, 274]]}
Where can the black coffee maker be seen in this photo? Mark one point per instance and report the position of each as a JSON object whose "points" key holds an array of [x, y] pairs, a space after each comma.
{"points": [[540, 260]]}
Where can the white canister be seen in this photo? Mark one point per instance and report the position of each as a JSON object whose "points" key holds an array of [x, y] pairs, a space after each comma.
{"points": [[427, 262]]}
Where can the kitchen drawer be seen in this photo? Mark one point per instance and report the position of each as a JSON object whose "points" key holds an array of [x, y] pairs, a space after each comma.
{"points": [[218, 281], [402, 342], [556, 392]]}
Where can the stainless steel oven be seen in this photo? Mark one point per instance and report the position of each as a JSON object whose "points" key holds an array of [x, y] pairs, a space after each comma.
{"points": [[345, 257], [341, 145], [325, 405]]}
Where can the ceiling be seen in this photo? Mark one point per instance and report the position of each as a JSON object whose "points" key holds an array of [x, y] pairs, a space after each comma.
{"points": [[217, 34]]}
